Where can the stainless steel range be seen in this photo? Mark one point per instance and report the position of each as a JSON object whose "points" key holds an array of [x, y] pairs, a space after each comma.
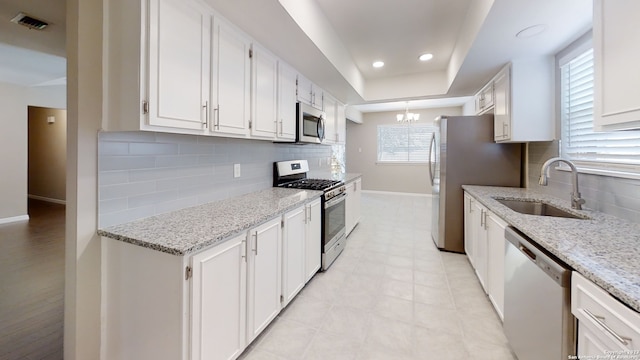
{"points": [[293, 174]]}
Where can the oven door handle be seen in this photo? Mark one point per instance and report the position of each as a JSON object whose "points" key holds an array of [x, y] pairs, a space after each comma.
{"points": [[335, 200]]}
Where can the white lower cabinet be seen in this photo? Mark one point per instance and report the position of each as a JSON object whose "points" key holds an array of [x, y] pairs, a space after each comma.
{"points": [[484, 244], [352, 204], [313, 239], [470, 228], [495, 261], [218, 322], [263, 278], [293, 253], [605, 325], [212, 304]]}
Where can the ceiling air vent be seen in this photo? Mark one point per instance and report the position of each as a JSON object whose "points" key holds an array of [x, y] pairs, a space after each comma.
{"points": [[28, 21]]}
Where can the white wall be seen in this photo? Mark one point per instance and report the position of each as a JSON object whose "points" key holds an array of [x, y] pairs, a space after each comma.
{"points": [[13, 152], [362, 154], [14, 100]]}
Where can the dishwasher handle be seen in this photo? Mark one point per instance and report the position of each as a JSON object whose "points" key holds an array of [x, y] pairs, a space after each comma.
{"points": [[552, 266]]}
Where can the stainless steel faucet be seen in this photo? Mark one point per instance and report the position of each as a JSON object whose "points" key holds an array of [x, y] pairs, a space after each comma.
{"points": [[576, 200]]}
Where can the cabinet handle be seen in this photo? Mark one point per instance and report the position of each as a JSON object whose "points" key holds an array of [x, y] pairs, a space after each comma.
{"points": [[482, 218], [470, 206], [600, 321], [255, 235], [244, 250], [281, 127], [216, 117], [206, 114], [306, 217]]}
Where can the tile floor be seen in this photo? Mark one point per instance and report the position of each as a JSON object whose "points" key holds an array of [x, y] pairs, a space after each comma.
{"points": [[390, 295]]}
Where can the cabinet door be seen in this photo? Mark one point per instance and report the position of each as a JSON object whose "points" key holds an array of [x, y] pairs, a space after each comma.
{"points": [[264, 93], [179, 42], [349, 207], [502, 107], [305, 90], [293, 253], [616, 58], [313, 244], [593, 342], [495, 261], [358, 200], [317, 97], [330, 107], [481, 244], [469, 228], [230, 108], [286, 102], [218, 322], [263, 277], [341, 124]]}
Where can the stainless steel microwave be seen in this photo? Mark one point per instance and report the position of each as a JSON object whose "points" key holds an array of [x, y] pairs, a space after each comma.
{"points": [[310, 124]]}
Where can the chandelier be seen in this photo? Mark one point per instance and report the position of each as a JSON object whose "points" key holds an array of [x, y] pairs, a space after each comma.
{"points": [[407, 116]]}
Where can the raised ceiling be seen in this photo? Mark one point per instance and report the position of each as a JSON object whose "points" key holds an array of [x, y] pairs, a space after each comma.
{"points": [[334, 42], [397, 32]]}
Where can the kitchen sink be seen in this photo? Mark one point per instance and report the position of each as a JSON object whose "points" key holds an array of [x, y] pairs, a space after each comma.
{"points": [[537, 208]]}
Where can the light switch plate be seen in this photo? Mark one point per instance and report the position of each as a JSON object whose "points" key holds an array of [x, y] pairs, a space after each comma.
{"points": [[236, 170]]}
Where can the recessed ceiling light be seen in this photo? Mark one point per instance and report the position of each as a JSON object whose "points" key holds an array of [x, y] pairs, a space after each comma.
{"points": [[426, 57], [378, 64], [531, 31]]}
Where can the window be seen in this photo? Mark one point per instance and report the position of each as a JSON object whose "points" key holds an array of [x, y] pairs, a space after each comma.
{"points": [[611, 153], [404, 143]]}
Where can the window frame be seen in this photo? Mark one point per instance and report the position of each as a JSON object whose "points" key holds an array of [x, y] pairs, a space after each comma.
{"points": [[432, 129], [606, 168]]}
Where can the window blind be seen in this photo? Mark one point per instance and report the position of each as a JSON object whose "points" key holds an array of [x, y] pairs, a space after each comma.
{"points": [[618, 151], [404, 142]]}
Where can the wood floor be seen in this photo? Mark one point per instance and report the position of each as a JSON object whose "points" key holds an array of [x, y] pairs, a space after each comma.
{"points": [[32, 284]]}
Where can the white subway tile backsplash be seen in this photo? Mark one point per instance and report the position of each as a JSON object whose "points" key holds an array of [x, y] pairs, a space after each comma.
{"points": [[107, 163], [113, 148], [126, 190], [161, 172], [113, 177], [114, 205], [197, 149], [152, 198], [153, 149]]}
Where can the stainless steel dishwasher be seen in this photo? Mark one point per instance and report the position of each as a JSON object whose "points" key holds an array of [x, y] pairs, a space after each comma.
{"points": [[537, 302]]}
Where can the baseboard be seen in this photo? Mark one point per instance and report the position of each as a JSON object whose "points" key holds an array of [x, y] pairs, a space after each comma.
{"points": [[14, 219], [396, 193], [51, 200]]}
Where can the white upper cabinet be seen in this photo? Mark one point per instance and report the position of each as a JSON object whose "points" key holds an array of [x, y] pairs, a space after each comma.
{"points": [[523, 101], [264, 93], [484, 99], [179, 41], [330, 129], [341, 123], [157, 66], [309, 93], [286, 102], [230, 91], [616, 59]]}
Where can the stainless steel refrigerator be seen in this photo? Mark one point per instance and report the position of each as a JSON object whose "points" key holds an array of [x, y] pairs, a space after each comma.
{"points": [[463, 152]]}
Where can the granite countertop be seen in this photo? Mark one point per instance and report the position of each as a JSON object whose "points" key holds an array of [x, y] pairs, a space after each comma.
{"points": [[604, 248], [191, 229]]}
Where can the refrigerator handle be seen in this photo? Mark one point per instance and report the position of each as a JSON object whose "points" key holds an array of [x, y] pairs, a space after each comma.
{"points": [[431, 161]]}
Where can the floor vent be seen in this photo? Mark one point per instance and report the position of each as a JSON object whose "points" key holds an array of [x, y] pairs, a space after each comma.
{"points": [[28, 21]]}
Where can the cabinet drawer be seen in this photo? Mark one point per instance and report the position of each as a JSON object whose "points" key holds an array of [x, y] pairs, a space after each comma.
{"points": [[601, 312]]}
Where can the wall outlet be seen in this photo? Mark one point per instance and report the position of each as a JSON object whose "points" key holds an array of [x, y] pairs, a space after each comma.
{"points": [[236, 170], [319, 161]]}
